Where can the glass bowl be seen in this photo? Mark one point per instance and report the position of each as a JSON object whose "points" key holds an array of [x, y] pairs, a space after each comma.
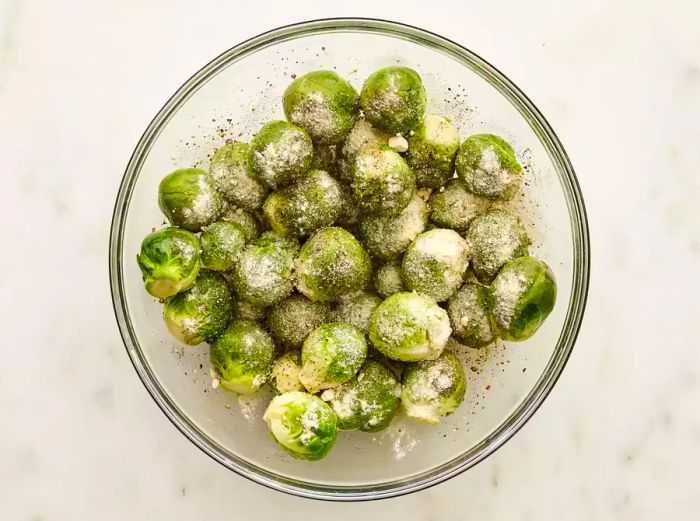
{"points": [[232, 97]]}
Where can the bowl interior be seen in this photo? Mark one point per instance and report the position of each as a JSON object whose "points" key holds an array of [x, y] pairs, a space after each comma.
{"points": [[232, 98]]}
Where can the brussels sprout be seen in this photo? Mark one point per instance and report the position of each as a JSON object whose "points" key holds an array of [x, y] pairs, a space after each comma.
{"points": [[244, 310], [356, 309], [388, 237], [281, 153], [409, 327], [274, 239], [169, 261], [201, 313], [222, 244], [387, 279], [188, 199], [247, 221], [495, 238], [325, 158], [382, 182], [331, 355], [435, 263], [302, 424], [291, 321], [454, 207], [323, 104], [431, 151], [331, 263], [433, 388], [263, 274], [232, 172], [305, 206], [367, 402], [243, 357], [522, 297], [363, 133], [349, 214], [469, 316], [393, 99], [285, 373], [488, 167]]}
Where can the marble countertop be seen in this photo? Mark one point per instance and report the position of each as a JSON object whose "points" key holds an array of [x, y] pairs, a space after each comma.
{"points": [[619, 437]]}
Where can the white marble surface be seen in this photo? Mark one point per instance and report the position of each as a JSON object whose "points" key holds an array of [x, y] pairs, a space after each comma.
{"points": [[619, 438]]}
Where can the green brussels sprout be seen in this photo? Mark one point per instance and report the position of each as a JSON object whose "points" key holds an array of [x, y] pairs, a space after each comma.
{"points": [[232, 172], [291, 321], [382, 181], [488, 167], [263, 274], [393, 99], [325, 158], [363, 133], [285, 373], [409, 327], [455, 207], [188, 199], [243, 356], [495, 238], [331, 263], [305, 206], [274, 239], [356, 309], [522, 296], [367, 402], [201, 313], [323, 104], [280, 153], [349, 214], [247, 221], [169, 261], [435, 263], [433, 388], [244, 310], [331, 355], [302, 424], [388, 237], [387, 279], [469, 315], [431, 151], [222, 244]]}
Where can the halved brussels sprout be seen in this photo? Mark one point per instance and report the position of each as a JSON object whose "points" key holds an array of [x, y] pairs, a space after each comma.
{"points": [[409, 327], [431, 151], [487, 165], [285, 373], [188, 199], [393, 99], [222, 244], [302, 424], [201, 313], [304, 206], [387, 279], [522, 296], [263, 273], [435, 263], [382, 181], [356, 309], [331, 263], [232, 172], [323, 104], [291, 321], [495, 238], [169, 261], [331, 355], [281, 153], [367, 402], [469, 315], [433, 388], [454, 207]]}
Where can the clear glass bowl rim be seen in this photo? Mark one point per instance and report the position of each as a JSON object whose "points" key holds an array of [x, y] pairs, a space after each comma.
{"points": [[576, 304]]}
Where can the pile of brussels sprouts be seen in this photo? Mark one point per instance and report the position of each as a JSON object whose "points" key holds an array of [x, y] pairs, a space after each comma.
{"points": [[335, 255]]}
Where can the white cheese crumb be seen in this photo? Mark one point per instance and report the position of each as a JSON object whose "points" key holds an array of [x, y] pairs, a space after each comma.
{"points": [[398, 143]]}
